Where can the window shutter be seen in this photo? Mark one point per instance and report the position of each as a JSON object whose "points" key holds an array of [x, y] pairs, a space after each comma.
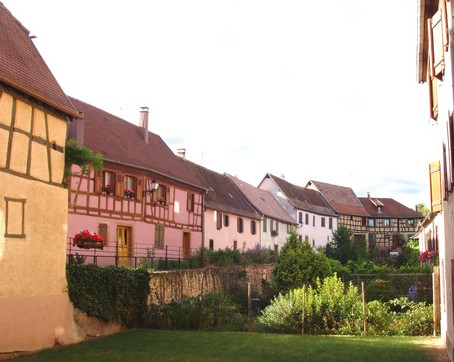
{"points": [[435, 186], [119, 185], [102, 231], [437, 37], [139, 188], [433, 97], [218, 220], [98, 182]]}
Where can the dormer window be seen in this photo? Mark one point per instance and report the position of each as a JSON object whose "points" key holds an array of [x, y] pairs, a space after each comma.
{"points": [[379, 209]]}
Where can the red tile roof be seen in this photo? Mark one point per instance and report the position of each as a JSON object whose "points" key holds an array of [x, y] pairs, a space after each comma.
{"points": [[222, 194], [389, 208], [304, 198], [263, 201], [341, 198], [22, 67], [122, 142]]}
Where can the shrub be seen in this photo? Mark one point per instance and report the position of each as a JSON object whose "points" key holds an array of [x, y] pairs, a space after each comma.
{"points": [[380, 289], [217, 312], [111, 294], [329, 308]]}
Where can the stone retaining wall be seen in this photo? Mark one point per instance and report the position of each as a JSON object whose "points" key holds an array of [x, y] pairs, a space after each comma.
{"points": [[166, 286]]}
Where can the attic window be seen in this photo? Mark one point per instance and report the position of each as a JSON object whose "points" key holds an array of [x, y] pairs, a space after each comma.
{"points": [[379, 209]]}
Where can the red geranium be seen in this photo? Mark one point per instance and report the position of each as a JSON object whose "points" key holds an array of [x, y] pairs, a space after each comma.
{"points": [[86, 237], [428, 256]]}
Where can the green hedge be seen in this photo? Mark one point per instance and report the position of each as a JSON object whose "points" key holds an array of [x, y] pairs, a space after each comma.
{"points": [[111, 294]]}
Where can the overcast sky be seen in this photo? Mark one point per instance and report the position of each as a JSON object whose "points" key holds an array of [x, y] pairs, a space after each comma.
{"points": [[313, 90]]}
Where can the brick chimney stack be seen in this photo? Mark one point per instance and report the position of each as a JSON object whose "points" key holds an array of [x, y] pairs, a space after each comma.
{"points": [[143, 122]]}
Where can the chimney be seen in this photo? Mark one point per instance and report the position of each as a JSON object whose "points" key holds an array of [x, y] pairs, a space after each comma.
{"points": [[181, 152], [143, 122], [368, 195]]}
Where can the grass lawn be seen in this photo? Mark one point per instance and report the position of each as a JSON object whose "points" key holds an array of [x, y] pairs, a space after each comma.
{"points": [[156, 345]]}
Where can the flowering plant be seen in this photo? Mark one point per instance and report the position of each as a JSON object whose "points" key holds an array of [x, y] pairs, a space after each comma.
{"points": [[86, 239], [130, 193], [429, 255], [107, 189]]}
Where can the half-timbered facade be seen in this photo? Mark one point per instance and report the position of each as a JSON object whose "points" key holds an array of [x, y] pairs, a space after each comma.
{"points": [[145, 202], [435, 70], [316, 219], [229, 220], [343, 200], [35, 311], [389, 223], [275, 223]]}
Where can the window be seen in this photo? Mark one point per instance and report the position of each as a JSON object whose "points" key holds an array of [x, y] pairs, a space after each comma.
{"points": [[372, 240], [218, 220], [159, 236], [161, 195], [411, 222], [253, 227], [235, 245], [211, 244], [265, 223], [307, 219], [240, 225], [130, 187], [190, 202], [313, 220], [300, 217], [371, 223], [323, 222], [102, 231], [330, 223], [385, 222], [108, 183], [226, 220]]}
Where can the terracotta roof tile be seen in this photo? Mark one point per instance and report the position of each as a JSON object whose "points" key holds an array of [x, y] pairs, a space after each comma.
{"points": [[263, 201], [122, 142], [341, 198], [389, 208], [22, 67], [222, 194], [304, 198]]}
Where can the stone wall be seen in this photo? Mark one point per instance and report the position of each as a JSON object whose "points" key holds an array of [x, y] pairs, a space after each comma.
{"points": [[166, 286]]}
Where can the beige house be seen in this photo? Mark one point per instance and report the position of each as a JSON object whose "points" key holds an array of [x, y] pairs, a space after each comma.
{"points": [[35, 311], [435, 70]]}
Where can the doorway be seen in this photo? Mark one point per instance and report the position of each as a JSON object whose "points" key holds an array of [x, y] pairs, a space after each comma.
{"points": [[124, 245]]}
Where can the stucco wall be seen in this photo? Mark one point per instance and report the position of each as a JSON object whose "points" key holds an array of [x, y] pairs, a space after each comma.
{"points": [[35, 311]]}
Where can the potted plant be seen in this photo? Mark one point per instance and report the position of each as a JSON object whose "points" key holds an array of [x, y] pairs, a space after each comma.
{"points": [[130, 194], [88, 240], [106, 189]]}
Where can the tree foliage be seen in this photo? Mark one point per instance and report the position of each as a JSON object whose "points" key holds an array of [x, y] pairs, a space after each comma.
{"points": [[298, 264], [77, 154], [345, 247]]}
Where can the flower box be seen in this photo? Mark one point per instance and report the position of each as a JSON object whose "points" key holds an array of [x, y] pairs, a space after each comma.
{"points": [[89, 240]]}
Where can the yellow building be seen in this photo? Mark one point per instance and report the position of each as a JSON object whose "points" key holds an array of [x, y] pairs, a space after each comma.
{"points": [[35, 311]]}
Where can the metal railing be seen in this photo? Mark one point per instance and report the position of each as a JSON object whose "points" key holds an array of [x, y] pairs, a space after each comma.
{"points": [[136, 255]]}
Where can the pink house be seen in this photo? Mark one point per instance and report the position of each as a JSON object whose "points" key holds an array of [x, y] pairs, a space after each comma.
{"points": [[146, 203], [230, 221]]}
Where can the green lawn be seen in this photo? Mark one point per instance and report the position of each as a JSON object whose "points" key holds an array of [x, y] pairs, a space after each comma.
{"points": [[154, 345]]}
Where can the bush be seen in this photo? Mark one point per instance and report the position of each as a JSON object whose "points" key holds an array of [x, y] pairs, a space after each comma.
{"points": [[110, 293], [217, 312], [329, 308], [380, 289]]}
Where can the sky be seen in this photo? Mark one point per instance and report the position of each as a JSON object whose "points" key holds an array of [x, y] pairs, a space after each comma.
{"points": [[307, 90]]}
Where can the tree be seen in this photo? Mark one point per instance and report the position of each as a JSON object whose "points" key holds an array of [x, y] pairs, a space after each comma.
{"points": [[299, 264], [422, 209], [345, 247]]}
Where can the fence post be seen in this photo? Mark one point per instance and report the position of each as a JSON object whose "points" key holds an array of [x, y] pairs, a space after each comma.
{"points": [[303, 309], [436, 298], [201, 304], [249, 306], [364, 308]]}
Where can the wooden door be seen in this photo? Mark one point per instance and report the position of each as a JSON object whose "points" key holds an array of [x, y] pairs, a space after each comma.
{"points": [[124, 245], [186, 245]]}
